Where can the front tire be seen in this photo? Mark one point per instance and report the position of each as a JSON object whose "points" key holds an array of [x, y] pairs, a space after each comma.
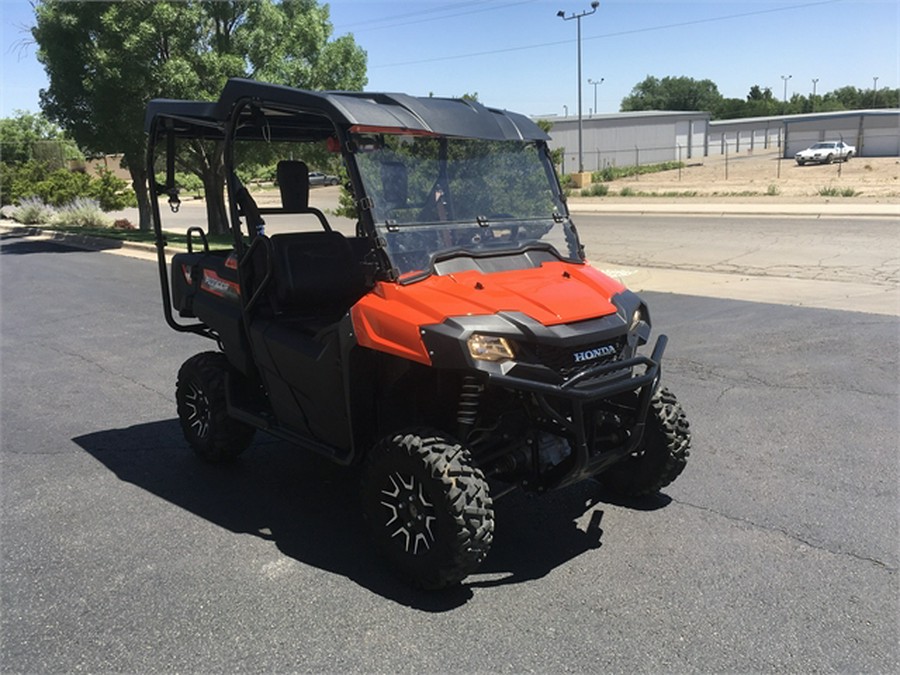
{"points": [[203, 411], [662, 454], [428, 510]]}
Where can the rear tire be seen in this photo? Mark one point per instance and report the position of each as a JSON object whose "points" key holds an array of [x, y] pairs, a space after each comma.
{"points": [[428, 510], [662, 455], [203, 411]]}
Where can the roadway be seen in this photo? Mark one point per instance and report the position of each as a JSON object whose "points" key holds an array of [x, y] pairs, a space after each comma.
{"points": [[775, 551]]}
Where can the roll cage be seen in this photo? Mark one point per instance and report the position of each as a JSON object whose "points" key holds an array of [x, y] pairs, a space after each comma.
{"points": [[252, 111]]}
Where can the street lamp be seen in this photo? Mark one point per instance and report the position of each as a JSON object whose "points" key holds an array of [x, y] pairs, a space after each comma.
{"points": [[562, 15], [813, 101], [874, 90], [595, 83], [785, 78]]}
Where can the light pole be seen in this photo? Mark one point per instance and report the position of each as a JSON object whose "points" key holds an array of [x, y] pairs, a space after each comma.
{"points": [[566, 108], [874, 90], [813, 101], [785, 78], [561, 14], [596, 83]]}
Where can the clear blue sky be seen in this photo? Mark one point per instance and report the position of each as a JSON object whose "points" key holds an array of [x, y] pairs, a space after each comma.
{"points": [[521, 56]]}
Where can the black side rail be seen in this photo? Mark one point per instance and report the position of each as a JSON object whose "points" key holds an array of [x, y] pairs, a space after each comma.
{"points": [[263, 242], [190, 239]]}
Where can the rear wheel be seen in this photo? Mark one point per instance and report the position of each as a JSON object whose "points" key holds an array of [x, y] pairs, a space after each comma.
{"points": [[662, 455], [829, 159], [427, 508], [203, 412]]}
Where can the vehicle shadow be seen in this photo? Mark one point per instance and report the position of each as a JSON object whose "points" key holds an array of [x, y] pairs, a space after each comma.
{"points": [[19, 244], [538, 534], [309, 508]]}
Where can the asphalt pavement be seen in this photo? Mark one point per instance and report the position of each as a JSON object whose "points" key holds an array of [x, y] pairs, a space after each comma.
{"points": [[775, 551]]}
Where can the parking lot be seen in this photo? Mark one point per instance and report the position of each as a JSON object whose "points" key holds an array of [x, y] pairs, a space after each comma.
{"points": [[775, 551]]}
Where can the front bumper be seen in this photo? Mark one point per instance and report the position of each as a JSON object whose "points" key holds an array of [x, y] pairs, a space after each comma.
{"points": [[567, 405], [571, 400]]}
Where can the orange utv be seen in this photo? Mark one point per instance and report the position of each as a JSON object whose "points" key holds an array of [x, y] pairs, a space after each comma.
{"points": [[455, 342]]}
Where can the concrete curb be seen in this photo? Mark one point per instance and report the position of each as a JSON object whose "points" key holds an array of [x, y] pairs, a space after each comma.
{"points": [[796, 210], [73, 239]]}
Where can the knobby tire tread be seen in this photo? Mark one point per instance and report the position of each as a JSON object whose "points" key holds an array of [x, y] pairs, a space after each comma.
{"points": [[465, 496], [664, 453], [227, 437]]}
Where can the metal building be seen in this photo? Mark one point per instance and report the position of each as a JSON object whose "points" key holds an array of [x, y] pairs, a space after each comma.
{"points": [[628, 139], [650, 137], [875, 133]]}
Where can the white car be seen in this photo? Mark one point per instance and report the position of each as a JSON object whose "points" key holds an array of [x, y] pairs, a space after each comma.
{"points": [[826, 153], [319, 178]]}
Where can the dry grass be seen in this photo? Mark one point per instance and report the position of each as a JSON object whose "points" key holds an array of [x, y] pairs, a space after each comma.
{"points": [[763, 175]]}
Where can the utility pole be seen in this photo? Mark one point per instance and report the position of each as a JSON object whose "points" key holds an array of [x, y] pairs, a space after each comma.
{"points": [[785, 78], [595, 83], [561, 14]]}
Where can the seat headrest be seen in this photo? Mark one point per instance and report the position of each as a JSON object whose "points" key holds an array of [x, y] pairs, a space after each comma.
{"points": [[293, 182]]}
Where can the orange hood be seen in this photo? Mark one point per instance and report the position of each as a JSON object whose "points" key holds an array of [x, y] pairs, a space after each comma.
{"points": [[388, 319]]}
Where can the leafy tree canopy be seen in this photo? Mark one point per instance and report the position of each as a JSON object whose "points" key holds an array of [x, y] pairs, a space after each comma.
{"points": [[105, 60], [672, 93], [685, 93], [30, 136]]}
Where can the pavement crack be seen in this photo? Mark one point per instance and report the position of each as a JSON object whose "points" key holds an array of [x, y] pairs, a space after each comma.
{"points": [[733, 379], [104, 369], [789, 535]]}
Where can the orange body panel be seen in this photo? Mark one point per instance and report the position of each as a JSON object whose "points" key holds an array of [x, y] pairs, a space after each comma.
{"points": [[389, 318]]}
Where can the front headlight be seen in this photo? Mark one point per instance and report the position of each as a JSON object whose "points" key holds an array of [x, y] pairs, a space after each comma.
{"points": [[639, 326], [489, 348], [636, 319]]}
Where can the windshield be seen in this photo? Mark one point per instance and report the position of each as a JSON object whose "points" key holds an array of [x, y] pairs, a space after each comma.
{"points": [[433, 198]]}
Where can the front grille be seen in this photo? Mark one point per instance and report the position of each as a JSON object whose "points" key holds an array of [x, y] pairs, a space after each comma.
{"points": [[564, 361]]}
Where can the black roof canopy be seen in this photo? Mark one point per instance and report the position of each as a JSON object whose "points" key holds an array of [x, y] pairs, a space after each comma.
{"points": [[375, 111]]}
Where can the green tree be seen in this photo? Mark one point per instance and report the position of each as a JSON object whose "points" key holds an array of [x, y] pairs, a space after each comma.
{"points": [[672, 93], [106, 60], [30, 136]]}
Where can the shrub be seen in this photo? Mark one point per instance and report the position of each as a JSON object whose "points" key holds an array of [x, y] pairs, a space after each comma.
{"points": [[59, 187], [773, 190], [82, 212], [832, 191], [566, 182], [62, 187], [33, 211], [110, 192], [596, 190], [627, 192], [611, 173], [16, 181], [188, 183], [124, 224]]}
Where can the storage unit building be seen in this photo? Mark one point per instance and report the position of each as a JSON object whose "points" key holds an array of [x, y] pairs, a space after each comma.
{"points": [[628, 139]]}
